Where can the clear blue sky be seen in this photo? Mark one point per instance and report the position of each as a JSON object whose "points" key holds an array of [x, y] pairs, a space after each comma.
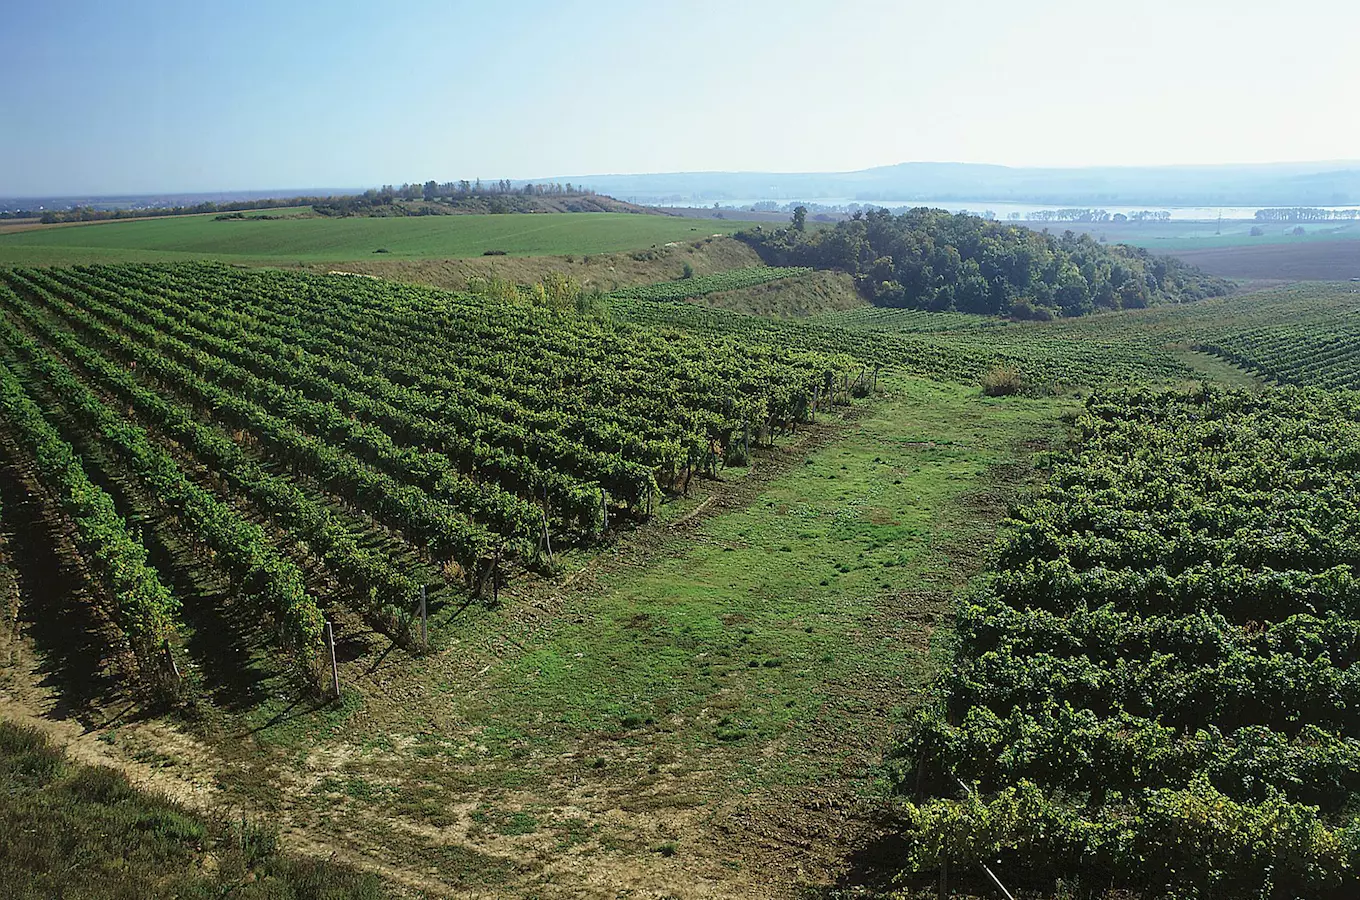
{"points": [[182, 95]]}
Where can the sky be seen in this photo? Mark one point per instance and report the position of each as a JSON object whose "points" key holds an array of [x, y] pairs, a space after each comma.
{"points": [[146, 96]]}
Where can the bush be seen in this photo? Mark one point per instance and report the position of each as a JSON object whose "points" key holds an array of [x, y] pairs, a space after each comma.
{"points": [[1003, 381], [1023, 312], [687, 272], [493, 253], [593, 303], [1257, 231]]}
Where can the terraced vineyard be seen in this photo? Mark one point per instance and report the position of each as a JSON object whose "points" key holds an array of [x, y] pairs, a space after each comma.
{"points": [[304, 430], [1154, 689], [731, 280]]}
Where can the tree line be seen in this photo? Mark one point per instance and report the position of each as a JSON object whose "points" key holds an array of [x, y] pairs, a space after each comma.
{"points": [[932, 259], [91, 214], [1305, 214], [1093, 215]]}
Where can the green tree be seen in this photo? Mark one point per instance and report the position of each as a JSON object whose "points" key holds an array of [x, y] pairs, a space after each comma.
{"points": [[800, 218]]}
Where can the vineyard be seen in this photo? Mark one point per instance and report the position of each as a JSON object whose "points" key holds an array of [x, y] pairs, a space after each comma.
{"points": [[1306, 337], [302, 430], [943, 346], [207, 473], [1154, 690], [731, 280], [1302, 335], [909, 321]]}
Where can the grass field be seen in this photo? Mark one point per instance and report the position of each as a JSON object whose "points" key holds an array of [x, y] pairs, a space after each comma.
{"points": [[72, 830], [299, 240]]}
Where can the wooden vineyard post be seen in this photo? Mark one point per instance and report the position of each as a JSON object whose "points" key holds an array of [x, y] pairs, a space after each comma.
{"points": [[424, 622], [986, 868], [604, 510], [335, 669], [944, 879], [547, 538], [496, 577]]}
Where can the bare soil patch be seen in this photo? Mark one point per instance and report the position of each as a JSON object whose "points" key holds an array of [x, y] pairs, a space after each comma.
{"points": [[1337, 260]]}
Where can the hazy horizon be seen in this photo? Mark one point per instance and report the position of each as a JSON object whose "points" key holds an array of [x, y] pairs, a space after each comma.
{"points": [[161, 97]]}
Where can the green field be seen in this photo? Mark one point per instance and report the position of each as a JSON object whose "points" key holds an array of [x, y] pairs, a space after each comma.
{"points": [[296, 240]]}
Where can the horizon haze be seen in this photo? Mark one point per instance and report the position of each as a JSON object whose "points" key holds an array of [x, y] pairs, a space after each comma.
{"points": [[158, 97]]}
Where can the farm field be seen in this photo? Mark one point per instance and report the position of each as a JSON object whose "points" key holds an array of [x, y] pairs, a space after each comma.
{"points": [[304, 240], [690, 573], [1283, 261], [1327, 251], [479, 530]]}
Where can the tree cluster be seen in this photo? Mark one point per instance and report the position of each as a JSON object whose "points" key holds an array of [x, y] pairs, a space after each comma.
{"points": [[932, 259], [497, 196]]}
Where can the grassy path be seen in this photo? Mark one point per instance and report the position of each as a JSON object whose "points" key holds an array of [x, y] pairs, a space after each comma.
{"points": [[700, 709]]}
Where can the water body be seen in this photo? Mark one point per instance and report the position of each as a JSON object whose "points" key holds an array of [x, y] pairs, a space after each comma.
{"points": [[1005, 210]]}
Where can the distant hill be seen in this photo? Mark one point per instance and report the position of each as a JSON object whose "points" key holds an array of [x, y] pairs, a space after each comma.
{"points": [[1275, 184]]}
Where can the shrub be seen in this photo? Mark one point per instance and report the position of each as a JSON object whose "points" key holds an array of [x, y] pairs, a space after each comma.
{"points": [[493, 253], [1022, 311], [1003, 381], [687, 272], [1257, 231]]}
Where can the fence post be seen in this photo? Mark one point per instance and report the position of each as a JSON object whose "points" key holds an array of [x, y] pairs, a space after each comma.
{"points": [[424, 621]]}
